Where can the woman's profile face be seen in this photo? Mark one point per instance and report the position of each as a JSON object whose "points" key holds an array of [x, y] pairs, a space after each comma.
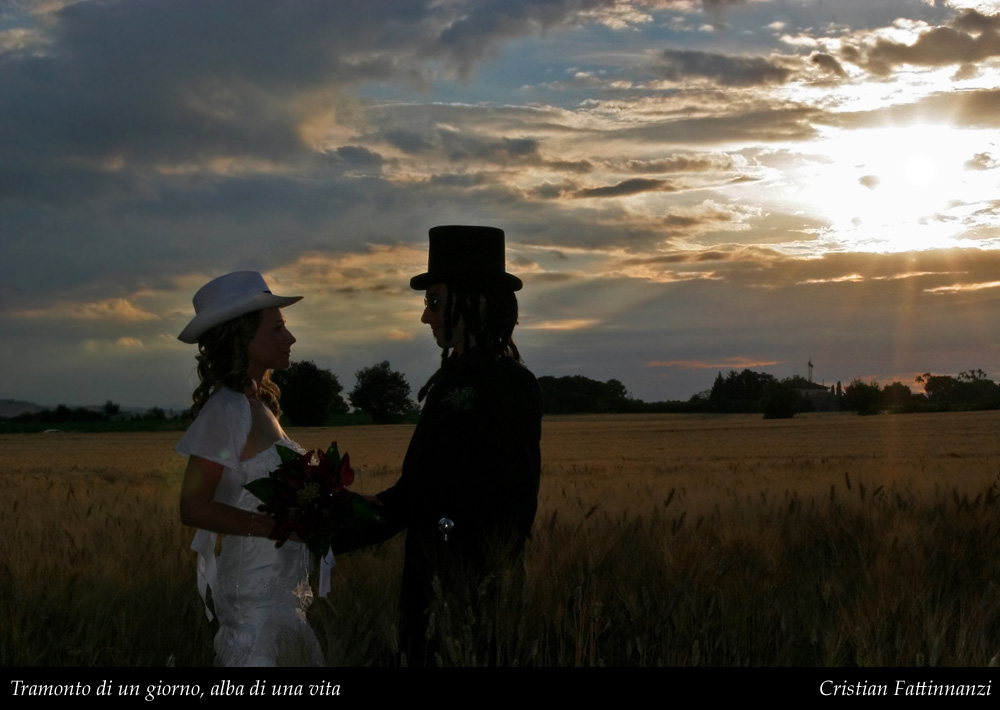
{"points": [[271, 347]]}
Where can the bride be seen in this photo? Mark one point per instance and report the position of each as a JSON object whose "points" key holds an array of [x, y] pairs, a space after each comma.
{"points": [[260, 592]]}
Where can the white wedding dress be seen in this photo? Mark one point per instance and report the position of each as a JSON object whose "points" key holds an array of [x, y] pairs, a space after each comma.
{"points": [[260, 592]]}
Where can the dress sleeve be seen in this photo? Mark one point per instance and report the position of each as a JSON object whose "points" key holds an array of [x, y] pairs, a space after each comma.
{"points": [[219, 432]]}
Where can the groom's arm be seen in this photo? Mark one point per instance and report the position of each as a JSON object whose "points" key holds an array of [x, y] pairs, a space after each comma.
{"points": [[374, 532]]}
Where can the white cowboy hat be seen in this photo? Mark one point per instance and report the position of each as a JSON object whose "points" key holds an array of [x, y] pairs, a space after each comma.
{"points": [[227, 297]]}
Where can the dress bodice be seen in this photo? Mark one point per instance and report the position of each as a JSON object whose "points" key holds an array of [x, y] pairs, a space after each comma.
{"points": [[231, 489]]}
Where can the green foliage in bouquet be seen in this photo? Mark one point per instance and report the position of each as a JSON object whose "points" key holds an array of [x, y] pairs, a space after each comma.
{"points": [[307, 496]]}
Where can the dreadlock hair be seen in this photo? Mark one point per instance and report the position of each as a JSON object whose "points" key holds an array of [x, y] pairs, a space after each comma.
{"points": [[489, 316], [223, 360]]}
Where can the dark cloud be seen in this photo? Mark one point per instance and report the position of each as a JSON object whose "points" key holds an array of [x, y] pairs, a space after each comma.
{"points": [[828, 62], [467, 145], [570, 166], [459, 181], [552, 191], [682, 163], [975, 22], [409, 141], [677, 65], [181, 83], [756, 122], [731, 253], [681, 221], [966, 71], [357, 156], [478, 28], [185, 80], [937, 47], [971, 38], [461, 147], [628, 187]]}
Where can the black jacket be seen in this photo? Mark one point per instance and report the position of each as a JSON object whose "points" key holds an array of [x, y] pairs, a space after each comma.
{"points": [[474, 459]]}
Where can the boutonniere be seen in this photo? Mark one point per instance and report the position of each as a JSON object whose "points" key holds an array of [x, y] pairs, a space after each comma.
{"points": [[461, 399]]}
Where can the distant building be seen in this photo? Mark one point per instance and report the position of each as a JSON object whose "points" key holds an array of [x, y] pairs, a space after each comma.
{"points": [[822, 398]]}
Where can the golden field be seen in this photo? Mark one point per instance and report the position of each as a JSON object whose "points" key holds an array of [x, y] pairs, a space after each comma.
{"points": [[828, 539]]}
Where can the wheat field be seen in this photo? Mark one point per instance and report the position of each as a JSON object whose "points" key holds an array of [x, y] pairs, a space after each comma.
{"points": [[678, 540]]}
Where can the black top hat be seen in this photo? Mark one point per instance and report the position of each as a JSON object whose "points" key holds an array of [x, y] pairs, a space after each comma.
{"points": [[466, 255]]}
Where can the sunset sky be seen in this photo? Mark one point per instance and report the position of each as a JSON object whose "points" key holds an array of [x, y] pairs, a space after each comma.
{"points": [[686, 187]]}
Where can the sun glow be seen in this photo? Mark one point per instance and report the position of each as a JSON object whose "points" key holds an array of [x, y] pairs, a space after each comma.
{"points": [[896, 189]]}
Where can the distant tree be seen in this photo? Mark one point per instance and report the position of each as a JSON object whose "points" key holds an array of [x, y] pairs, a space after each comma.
{"points": [[382, 393], [896, 395], [862, 397], [310, 395], [576, 394], [970, 389], [939, 388], [783, 401], [744, 391], [975, 388], [111, 409], [155, 414], [972, 376]]}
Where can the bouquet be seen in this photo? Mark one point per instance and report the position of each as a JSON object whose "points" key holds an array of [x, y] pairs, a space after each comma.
{"points": [[307, 495]]}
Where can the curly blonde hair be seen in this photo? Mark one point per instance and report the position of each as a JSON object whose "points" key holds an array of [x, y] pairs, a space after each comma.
{"points": [[223, 361]]}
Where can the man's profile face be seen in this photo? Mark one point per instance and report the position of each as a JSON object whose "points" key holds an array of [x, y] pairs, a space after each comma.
{"points": [[435, 301]]}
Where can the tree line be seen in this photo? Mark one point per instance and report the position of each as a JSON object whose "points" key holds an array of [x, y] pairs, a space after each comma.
{"points": [[310, 396], [750, 392], [313, 396], [758, 392]]}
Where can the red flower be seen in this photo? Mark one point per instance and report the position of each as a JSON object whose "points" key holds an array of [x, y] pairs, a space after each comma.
{"points": [[307, 496]]}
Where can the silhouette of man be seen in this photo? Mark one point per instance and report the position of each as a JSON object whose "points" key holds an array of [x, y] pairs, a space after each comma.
{"points": [[469, 486]]}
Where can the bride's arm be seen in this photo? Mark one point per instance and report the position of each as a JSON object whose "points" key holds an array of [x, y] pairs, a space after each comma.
{"points": [[199, 509]]}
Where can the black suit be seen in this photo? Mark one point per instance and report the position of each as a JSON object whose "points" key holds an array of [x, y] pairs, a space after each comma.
{"points": [[474, 458]]}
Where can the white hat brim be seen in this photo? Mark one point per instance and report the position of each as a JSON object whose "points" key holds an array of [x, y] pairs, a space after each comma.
{"points": [[211, 317]]}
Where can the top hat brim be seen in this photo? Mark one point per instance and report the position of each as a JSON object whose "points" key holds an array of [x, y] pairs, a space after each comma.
{"points": [[421, 282], [211, 317]]}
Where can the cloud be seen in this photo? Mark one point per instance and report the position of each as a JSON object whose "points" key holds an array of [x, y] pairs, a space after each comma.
{"points": [[149, 146], [828, 63], [570, 324], [677, 65], [971, 38], [478, 28], [981, 161], [957, 288], [974, 108], [730, 363], [358, 157], [973, 21], [117, 310], [125, 344], [870, 181], [681, 163], [734, 121], [634, 186]]}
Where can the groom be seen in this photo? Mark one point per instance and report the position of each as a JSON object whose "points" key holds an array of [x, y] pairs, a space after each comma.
{"points": [[469, 485]]}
